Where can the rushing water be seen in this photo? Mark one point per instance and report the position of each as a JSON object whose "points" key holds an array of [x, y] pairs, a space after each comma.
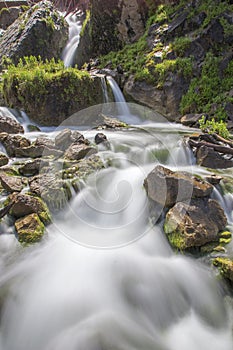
{"points": [[104, 277], [69, 51]]}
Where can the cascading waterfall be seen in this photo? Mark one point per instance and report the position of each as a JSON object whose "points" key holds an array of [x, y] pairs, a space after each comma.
{"points": [[104, 277], [69, 51]]}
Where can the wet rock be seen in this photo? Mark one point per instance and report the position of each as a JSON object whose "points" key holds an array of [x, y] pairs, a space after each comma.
{"points": [[25, 204], [190, 226], [34, 151], [3, 159], [100, 137], [52, 189], [9, 124], [225, 266], [79, 151], [33, 167], [66, 137], [167, 187], [30, 229], [105, 122], [208, 157], [44, 141], [13, 142], [40, 31], [12, 183]]}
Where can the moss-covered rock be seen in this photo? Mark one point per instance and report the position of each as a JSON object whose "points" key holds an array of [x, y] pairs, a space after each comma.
{"points": [[40, 31], [225, 266], [48, 91], [29, 229]]}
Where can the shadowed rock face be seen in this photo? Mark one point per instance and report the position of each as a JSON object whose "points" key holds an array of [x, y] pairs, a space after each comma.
{"points": [[112, 24], [40, 31]]}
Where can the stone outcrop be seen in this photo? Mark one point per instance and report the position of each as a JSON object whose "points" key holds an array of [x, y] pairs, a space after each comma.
{"points": [[111, 25], [40, 31], [12, 183]]}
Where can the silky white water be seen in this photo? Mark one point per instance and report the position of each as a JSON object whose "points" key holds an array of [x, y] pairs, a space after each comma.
{"points": [[104, 277]]}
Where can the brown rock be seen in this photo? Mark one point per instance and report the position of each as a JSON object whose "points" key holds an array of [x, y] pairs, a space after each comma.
{"points": [[3, 159], [32, 168], [12, 183], [194, 225], [79, 151], [166, 187], [13, 142], [30, 229], [208, 157], [8, 123]]}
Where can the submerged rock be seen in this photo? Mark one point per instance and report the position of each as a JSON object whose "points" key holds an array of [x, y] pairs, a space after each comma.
{"points": [[30, 229], [195, 224], [167, 187]]}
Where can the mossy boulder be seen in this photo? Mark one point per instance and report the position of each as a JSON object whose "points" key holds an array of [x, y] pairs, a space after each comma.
{"points": [[49, 92], [25, 204], [195, 224], [29, 229], [225, 266], [40, 31]]}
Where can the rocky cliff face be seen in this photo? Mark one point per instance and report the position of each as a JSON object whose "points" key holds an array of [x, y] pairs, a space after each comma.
{"points": [[40, 31], [111, 25]]}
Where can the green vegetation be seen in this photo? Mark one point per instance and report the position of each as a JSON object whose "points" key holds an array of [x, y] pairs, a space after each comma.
{"points": [[32, 81], [210, 89], [214, 127]]}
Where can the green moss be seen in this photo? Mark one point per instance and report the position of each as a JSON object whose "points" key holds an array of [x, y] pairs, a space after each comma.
{"points": [[214, 127], [4, 10], [175, 238], [180, 45], [30, 229], [85, 22], [225, 267]]}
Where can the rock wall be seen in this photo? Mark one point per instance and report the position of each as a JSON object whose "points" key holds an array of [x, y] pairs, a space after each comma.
{"points": [[111, 25]]}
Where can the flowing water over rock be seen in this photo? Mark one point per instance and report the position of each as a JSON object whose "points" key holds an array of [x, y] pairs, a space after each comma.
{"points": [[69, 51], [105, 277]]}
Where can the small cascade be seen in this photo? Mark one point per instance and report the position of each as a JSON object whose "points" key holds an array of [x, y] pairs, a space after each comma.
{"points": [[122, 106], [104, 89], [119, 97], [75, 26]]}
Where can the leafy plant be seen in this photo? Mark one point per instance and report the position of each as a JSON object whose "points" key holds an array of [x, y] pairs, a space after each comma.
{"points": [[214, 127]]}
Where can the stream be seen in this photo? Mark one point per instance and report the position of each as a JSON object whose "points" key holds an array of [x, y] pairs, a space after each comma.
{"points": [[104, 277]]}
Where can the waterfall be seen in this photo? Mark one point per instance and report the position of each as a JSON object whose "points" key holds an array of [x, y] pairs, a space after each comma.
{"points": [[106, 278], [119, 97], [69, 51]]}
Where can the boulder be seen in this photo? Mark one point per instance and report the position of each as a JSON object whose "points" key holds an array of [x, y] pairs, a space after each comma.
{"points": [[66, 137], [79, 151], [54, 191], [13, 143], [12, 183], [8, 123], [209, 158], [167, 187], [32, 167], [25, 204], [29, 229], [191, 119], [195, 224], [35, 151], [40, 31], [165, 100]]}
